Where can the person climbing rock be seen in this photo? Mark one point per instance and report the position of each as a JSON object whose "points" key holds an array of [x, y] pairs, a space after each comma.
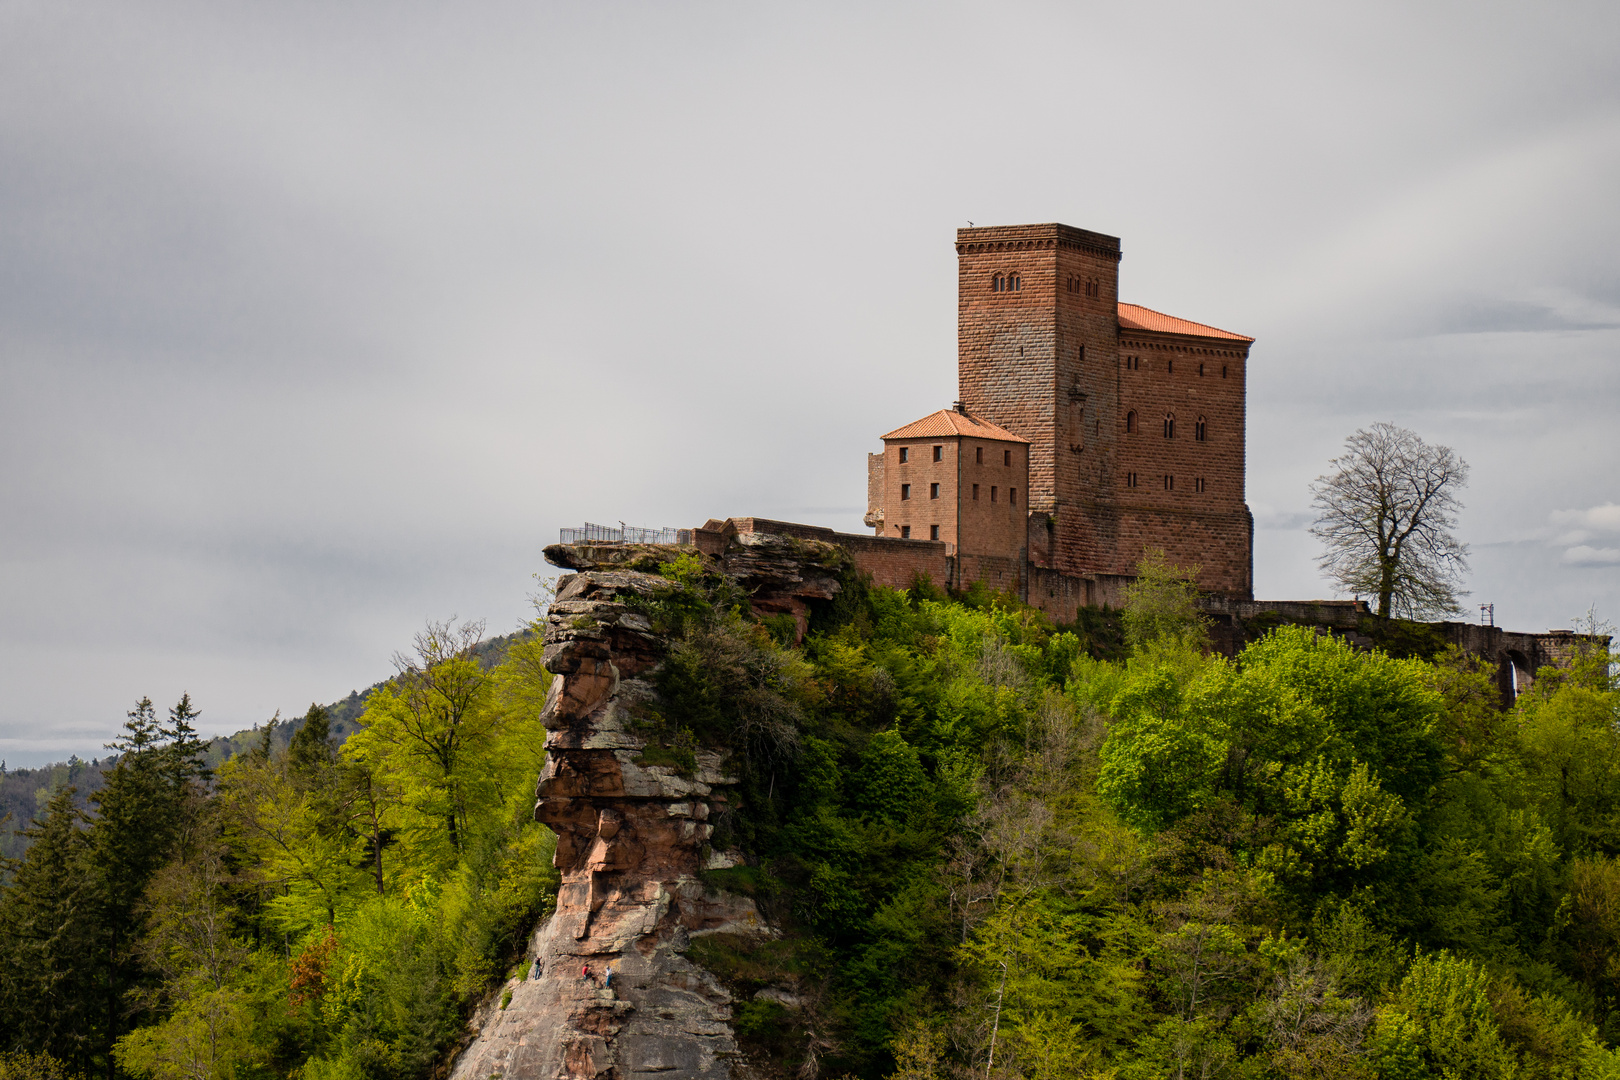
{"points": [[585, 972], [607, 982], [534, 969]]}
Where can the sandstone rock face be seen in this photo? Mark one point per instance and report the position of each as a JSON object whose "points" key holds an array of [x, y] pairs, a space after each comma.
{"points": [[631, 842]]}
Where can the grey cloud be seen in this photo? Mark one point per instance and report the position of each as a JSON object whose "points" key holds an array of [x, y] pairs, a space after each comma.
{"points": [[318, 321]]}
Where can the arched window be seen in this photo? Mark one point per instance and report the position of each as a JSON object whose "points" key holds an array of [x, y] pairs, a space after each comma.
{"points": [[1223, 371], [1130, 422], [1014, 282], [997, 282], [1169, 425], [1199, 429]]}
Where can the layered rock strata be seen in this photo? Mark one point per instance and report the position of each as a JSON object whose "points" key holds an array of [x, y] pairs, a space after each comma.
{"points": [[632, 839]]}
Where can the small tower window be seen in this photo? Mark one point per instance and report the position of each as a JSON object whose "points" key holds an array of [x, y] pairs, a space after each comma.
{"points": [[1200, 429], [1169, 425], [1223, 371], [905, 492], [1198, 484], [933, 491], [1130, 479], [1169, 367], [1012, 496], [939, 453], [992, 493], [1130, 422], [1006, 457], [905, 454], [978, 455], [905, 532], [933, 532], [1169, 483], [1200, 371], [975, 492]]}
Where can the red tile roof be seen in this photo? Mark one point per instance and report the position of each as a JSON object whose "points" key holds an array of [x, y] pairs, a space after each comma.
{"points": [[949, 422], [1136, 317]]}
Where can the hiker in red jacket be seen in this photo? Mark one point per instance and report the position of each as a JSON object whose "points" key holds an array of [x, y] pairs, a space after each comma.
{"points": [[585, 972]]}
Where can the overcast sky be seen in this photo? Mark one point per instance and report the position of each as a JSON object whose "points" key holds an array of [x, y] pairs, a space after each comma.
{"points": [[318, 320]]}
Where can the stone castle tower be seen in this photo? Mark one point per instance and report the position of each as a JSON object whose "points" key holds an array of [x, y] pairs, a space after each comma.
{"points": [[1134, 419]]}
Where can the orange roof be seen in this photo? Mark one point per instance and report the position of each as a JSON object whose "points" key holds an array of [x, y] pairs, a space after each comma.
{"points": [[1136, 317], [949, 422]]}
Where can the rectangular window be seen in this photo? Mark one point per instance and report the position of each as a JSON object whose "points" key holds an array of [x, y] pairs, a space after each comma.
{"points": [[1012, 496], [905, 454], [978, 455], [933, 491], [905, 532], [1169, 483], [975, 492], [1130, 479], [992, 493], [939, 453], [933, 532], [905, 492], [1006, 457], [1198, 484]]}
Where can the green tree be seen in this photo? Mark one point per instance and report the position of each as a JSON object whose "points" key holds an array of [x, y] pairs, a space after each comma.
{"points": [[50, 936]]}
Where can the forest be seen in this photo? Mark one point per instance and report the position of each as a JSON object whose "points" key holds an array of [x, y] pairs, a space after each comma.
{"points": [[993, 847]]}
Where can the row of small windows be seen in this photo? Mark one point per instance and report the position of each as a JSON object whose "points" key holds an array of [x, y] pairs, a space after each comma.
{"points": [[1134, 363], [933, 532], [939, 455], [1134, 480], [933, 493], [1006, 282], [1086, 286], [1200, 426]]}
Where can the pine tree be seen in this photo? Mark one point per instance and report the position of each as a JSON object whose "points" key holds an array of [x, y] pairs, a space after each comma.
{"points": [[49, 937]]}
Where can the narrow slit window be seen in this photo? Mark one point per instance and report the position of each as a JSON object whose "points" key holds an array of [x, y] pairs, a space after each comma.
{"points": [[992, 493], [1169, 367], [1169, 482], [905, 492], [1130, 422], [975, 492], [1198, 484], [1006, 457], [1012, 496], [905, 454], [933, 491], [1130, 479], [939, 453], [978, 455], [1223, 371]]}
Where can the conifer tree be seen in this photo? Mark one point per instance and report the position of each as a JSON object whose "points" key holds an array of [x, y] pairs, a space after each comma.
{"points": [[48, 932]]}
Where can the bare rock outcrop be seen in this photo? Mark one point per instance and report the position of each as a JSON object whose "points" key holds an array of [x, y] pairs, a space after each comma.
{"points": [[631, 841]]}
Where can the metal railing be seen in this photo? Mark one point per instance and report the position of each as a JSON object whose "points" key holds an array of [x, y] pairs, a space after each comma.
{"points": [[624, 534]]}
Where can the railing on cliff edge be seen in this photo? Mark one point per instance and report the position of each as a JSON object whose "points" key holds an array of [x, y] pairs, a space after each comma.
{"points": [[624, 534]]}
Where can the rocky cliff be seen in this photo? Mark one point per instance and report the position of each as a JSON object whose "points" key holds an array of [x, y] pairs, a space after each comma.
{"points": [[632, 842]]}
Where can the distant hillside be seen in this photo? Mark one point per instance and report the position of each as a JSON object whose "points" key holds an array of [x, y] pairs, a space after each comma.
{"points": [[24, 792]]}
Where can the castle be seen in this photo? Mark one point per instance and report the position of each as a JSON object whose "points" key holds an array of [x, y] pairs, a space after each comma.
{"points": [[1088, 430]]}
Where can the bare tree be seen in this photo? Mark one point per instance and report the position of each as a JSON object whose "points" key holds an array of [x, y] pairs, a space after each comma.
{"points": [[1386, 514]]}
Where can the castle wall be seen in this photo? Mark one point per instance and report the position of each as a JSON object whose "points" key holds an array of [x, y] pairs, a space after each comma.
{"points": [[892, 562], [1178, 491]]}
